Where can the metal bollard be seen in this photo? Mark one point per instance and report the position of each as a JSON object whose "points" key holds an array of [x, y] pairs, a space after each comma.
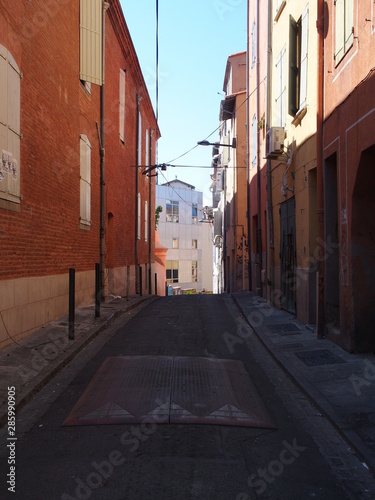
{"points": [[72, 280], [97, 291]]}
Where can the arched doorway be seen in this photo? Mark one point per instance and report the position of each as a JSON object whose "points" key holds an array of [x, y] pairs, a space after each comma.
{"points": [[363, 253]]}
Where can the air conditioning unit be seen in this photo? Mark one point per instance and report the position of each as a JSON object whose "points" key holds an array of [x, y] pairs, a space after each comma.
{"points": [[275, 142]]}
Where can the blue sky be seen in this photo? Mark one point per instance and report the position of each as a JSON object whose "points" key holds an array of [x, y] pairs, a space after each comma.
{"points": [[195, 39]]}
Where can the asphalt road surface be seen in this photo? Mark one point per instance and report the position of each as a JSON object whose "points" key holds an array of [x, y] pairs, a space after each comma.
{"points": [[302, 458]]}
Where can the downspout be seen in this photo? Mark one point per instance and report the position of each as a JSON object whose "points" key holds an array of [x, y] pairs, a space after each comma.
{"points": [[136, 197], [269, 172], [259, 208], [102, 163], [248, 147], [320, 320], [149, 217]]}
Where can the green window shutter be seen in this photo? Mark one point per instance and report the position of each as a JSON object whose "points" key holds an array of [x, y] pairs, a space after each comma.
{"points": [[293, 67]]}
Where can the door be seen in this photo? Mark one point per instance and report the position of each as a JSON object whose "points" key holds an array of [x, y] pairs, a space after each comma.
{"points": [[288, 255]]}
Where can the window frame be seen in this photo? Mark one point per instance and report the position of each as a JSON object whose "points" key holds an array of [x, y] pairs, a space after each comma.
{"points": [[172, 214], [194, 271], [172, 267], [344, 29], [194, 213]]}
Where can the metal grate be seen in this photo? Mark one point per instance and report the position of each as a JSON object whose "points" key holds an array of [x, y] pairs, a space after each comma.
{"points": [[319, 358]]}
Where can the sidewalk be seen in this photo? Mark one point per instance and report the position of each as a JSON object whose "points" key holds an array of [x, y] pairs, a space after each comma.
{"points": [[339, 384], [30, 363]]}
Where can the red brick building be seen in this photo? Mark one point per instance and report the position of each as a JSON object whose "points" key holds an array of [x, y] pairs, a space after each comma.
{"points": [[50, 173]]}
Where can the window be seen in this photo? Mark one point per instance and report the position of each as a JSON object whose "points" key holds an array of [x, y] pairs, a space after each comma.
{"points": [[10, 133], [139, 217], [253, 48], [281, 89], [194, 271], [122, 105], [147, 162], [194, 244], [91, 12], [85, 180], [174, 242], [254, 125], [298, 53], [344, 27], [194, 213], [172, 271], [139, 139], [146, 220], [172, 211]]}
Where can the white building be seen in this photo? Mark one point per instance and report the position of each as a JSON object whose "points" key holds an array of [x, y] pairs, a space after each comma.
{"points": [[181, 230]]}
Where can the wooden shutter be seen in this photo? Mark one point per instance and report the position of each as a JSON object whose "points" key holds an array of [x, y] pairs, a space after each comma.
{"points": [[293, 67], [85, 180], [339, 29], [10, 133], [91, 12], [146, 220], [349, 24], [139, 217], [122, 105], [304, 58], [139, 139]]}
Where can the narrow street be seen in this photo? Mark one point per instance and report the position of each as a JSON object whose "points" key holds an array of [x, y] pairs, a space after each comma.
{"points": [[302, 457]]}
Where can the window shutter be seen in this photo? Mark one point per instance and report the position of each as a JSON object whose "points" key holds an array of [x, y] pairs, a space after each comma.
{"points": [[10, 133], [91, 12], [139, 139], [254, 141], [146, 220], [283, 87], [139, 217], [293, 67], [349, 24], [304, 57], [85, 180], [339, 27], [253, 58], [147, 148], [122, 105]]}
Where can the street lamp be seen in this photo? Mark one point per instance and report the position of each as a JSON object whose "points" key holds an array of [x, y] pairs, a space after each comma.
{"points": [[206, 143]]}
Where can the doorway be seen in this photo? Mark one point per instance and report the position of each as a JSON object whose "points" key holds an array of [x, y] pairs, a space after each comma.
{"points": [[288, 254]]}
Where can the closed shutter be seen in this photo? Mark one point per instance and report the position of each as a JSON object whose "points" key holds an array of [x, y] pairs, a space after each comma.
{"points": [[293, 67], [254, 161], [339, 29], [304, 57], [91, 12], [85, 180], [3, 120], [139, 217], [10, 131], [147, 148], [139, 139], [349, 24], [146, 220], [122, 105]]}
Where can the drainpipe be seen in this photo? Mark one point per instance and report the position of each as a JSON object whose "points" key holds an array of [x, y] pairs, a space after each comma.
{"points": [[149, 216], [320, 182], [259, 208], [136, 197], [269, 173], [102, 162], [248, 146]]}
